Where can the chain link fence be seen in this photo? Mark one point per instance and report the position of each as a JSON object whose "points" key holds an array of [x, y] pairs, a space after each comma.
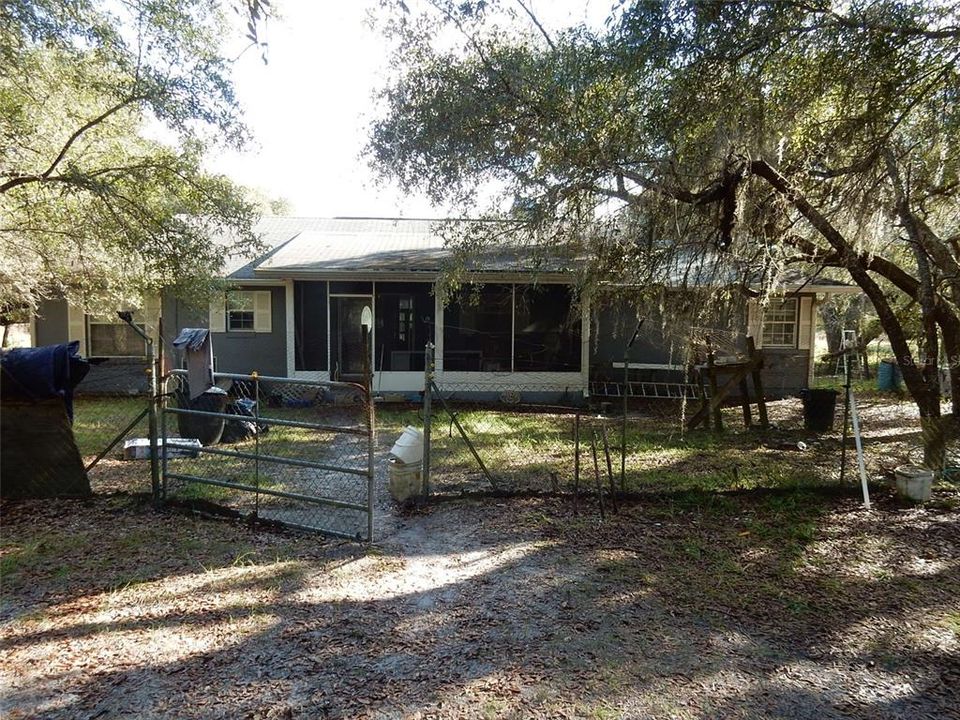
{"points": [[55, 448], [110, 409], [522, 439], [502, 437], [295, 452]]}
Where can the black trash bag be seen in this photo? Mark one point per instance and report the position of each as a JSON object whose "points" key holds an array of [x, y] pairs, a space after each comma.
{"points": [[242, 429]]}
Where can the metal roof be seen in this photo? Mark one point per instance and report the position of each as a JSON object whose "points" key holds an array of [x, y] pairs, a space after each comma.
{"points": [[400, 247], [334, 246]]}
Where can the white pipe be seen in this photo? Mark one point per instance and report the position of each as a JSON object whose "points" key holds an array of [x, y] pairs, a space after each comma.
{"points": [[856, 438]]}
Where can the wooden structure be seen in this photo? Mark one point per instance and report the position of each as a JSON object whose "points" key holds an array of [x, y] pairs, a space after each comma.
{"points": [[720, 380], [38, 451]]}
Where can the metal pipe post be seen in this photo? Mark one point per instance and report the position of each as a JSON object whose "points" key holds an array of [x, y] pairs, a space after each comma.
{"points": [[427, 410], [163, 434], [152, 423], [256, 440]]}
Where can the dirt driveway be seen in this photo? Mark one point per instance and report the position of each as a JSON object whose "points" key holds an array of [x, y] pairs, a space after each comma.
{"points": [[763, 604]]}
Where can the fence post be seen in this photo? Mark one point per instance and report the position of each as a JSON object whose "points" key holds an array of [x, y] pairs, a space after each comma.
{"points": [[427, 409], [576, 461], [255, 376], [152, 424], [161, 406]]}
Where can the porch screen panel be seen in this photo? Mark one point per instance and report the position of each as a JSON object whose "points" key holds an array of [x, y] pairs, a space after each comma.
{"points": [[310, 325], [476, 329], [404, 324], [547, 334]]}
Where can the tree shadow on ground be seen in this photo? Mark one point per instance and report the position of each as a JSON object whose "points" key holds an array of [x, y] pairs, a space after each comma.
{"points": [[692, 605]]}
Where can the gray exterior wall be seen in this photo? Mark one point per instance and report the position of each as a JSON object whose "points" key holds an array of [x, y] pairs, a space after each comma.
{"points": [[51, 323], [234, 352], [784, 373], [120, 376], [659, 341]]}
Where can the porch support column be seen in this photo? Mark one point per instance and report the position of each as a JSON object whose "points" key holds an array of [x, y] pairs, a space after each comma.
{"points": [[291, 329], [585, 343], [438, 333]]}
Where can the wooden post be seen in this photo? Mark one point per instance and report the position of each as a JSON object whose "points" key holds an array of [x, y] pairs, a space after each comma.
{"points": [[705, 404], [756, 360], [596, 475], [745, 403], [576, 462], [606, 451], [712, 379], [846, 413]]}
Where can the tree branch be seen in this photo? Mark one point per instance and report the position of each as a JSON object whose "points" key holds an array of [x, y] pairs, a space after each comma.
{"points": [[535, 21], [26, 179]]}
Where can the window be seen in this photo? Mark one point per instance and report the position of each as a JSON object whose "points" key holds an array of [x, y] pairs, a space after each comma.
{"points": [[111, 337], [242, 311], [780, 323]]}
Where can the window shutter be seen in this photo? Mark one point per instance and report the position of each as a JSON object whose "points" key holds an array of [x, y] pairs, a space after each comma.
{"points": [[262, 320], [754, 322], [804, 326], [77, 327], [151, 316], [218, 314]]}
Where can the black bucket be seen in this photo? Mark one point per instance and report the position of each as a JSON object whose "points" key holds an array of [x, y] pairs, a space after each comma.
{"points": [[819, 407]]}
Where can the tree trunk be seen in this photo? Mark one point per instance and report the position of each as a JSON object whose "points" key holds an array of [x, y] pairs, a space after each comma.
{"points": [[924, 393], [832, 327]]}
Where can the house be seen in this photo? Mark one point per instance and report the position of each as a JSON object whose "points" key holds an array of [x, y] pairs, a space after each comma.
{"points": [[515, 327]]}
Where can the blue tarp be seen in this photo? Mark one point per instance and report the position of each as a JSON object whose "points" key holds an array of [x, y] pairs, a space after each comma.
{"points": [[191, 338], [43, 373]]}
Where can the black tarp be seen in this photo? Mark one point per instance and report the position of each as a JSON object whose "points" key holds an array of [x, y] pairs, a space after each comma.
{"points": [[43, 373], [38, 452]]}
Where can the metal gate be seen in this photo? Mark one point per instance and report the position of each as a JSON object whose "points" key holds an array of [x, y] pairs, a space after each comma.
{"points": [[294, 452]]}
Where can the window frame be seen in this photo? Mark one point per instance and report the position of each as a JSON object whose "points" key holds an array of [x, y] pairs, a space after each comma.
{"points": [[90, 320], [780, 321], [253, 301]]}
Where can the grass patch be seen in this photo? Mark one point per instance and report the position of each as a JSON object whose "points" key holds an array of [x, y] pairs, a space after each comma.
{"points": [[97, 420], [531, 450], [15, 557]]}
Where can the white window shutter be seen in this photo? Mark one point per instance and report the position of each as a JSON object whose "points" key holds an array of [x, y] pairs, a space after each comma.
{"points": [[262, 320], [151, 316], [805, 323], [218, 314], [77, 327], [755, 322]]}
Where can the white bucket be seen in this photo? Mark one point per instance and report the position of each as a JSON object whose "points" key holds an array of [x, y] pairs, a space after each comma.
{"points": [[914, 482], [406, 481], [409, 446]]}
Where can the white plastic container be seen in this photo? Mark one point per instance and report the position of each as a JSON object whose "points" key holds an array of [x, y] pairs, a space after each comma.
{"points": [[409, 446], [139, 448], [406, 480], [914, 482]]}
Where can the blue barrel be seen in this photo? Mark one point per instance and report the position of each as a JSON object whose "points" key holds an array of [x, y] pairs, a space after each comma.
{"points": [[888, 375]]}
